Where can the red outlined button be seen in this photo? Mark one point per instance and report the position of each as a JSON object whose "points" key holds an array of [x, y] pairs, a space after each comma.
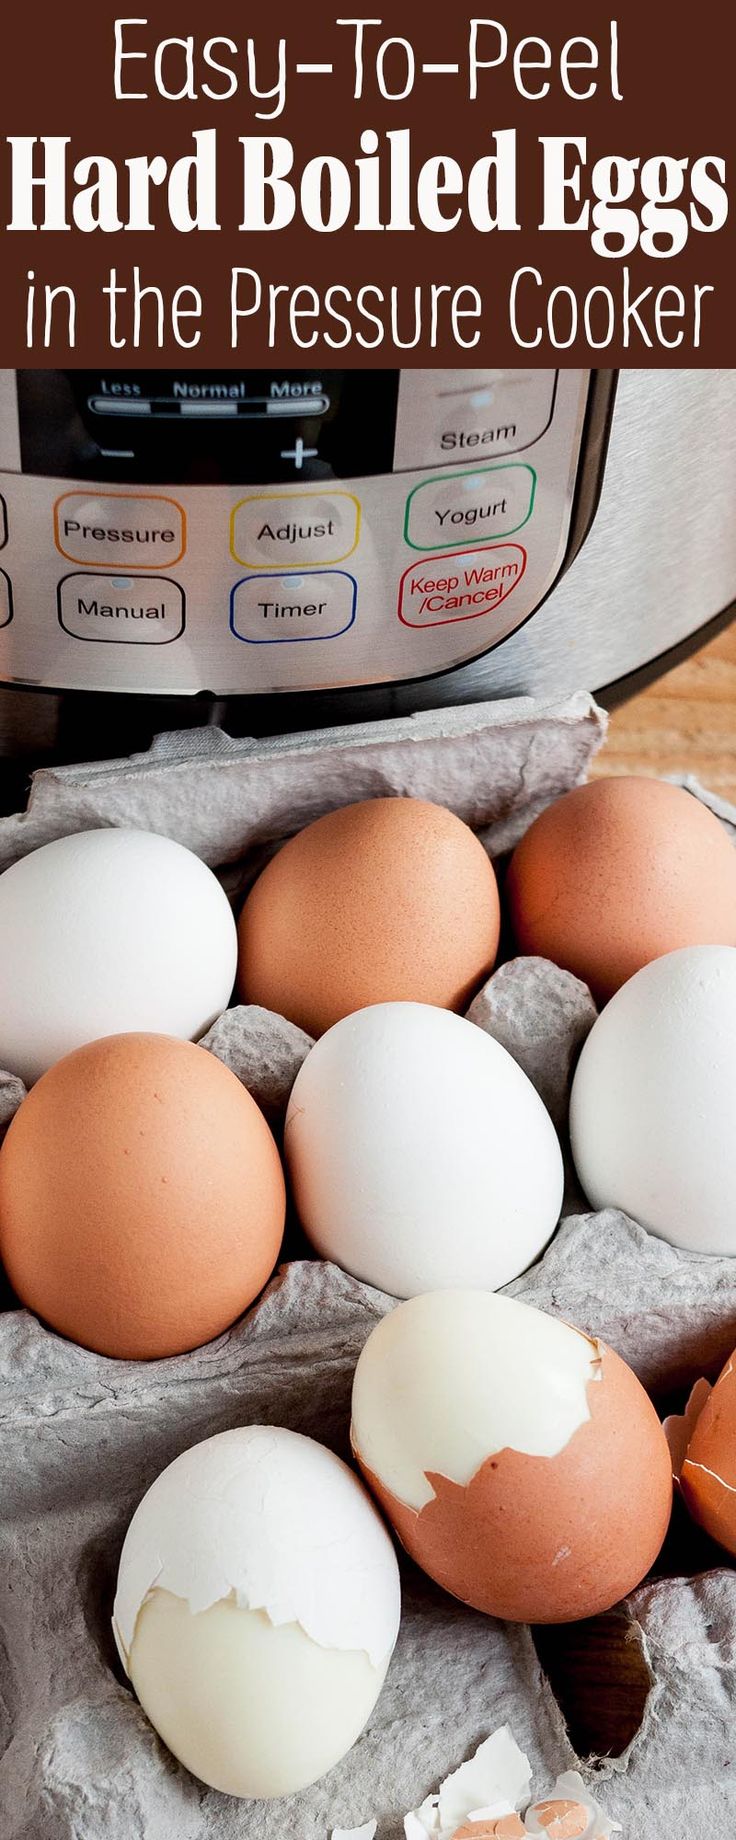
{"points": [[463, 585]]}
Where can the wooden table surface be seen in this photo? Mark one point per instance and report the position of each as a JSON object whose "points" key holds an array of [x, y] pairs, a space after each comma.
{"points": [[685, 722]]}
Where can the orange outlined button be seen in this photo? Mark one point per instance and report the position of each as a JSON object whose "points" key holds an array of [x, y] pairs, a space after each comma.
{"points": [[125, 529]]}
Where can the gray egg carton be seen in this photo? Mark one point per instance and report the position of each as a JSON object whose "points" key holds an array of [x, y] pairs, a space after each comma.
{"points": [[82, 1437]]}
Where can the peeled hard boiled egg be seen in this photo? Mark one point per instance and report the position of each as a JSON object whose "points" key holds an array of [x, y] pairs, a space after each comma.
{"points": [[617, 872], [520, 1462], [257, 1609], [652, 1117], [104, 932], [142, 1198], [420, 1154], [386, 900]]}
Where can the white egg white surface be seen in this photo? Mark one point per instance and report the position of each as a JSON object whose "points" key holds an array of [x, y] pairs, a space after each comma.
{"points": [[257, 1609], [447, 1380], [109, 932], [420, 1154], [653, 1105]]}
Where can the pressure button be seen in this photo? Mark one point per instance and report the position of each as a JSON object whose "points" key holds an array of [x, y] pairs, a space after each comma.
{"points": [[120, 530]]}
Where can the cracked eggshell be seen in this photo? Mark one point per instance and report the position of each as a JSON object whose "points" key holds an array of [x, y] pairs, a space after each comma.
{"points": [[257, 1609], [703, 1445], [520, 1462], [652, 1107], [487, 1789], [107, 932], [420, 1154], [569, 1813]]}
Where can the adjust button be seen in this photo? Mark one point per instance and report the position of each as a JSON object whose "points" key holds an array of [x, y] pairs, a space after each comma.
{"points": [[295, 531], [470, 507], [6, 599], [279, 609], [122, 609], [120, 528]]}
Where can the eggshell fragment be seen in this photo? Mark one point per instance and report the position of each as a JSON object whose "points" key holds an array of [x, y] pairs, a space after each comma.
{"points": [[108, 931], [483, 1793], [652, 1103], [419, 1153], [498, 1441], [569, 1813], [257, 1609], [617, 872], [387, 900], [703, 1443], [142, 1199]]}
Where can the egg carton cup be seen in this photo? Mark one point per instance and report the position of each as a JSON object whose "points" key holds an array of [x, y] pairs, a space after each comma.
{"points": [[82, 1437]]}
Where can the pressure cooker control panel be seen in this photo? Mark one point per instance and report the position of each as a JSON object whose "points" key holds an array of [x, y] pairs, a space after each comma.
{"points": [[268, 531]]}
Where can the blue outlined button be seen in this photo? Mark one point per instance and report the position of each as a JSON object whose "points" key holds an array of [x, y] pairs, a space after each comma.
{"points": [[310, 605]]}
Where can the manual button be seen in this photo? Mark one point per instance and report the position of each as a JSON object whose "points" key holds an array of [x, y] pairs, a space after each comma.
{"points": [[120, 528], [121, 609], [279, 609]]}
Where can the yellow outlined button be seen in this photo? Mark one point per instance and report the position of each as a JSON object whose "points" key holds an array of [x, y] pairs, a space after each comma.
{"points": [[294, 530], [128, 530]]}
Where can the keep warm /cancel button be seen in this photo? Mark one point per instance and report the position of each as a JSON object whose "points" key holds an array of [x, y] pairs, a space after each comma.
{"points": [[121, 609], [460, 587]]}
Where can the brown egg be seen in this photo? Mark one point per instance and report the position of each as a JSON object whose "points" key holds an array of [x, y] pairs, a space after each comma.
{"points": [[617, 873], [520, 1463], [706, 1458], [389, 900], [142, 1198]]}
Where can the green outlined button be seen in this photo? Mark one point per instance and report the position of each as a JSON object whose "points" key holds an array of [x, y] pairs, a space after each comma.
{"points": [[470, 507]]}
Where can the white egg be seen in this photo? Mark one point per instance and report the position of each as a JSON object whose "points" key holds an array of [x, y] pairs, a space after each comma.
{"points": [[653, 1105], [257, 1609], [106, 933], [420, 1155]]}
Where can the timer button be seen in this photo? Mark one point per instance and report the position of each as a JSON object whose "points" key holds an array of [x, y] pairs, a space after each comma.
{"points": [[125, 529], [282, 609]]}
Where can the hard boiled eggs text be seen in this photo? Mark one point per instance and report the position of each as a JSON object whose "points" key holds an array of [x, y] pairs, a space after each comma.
{"points": [[257, 1609], [520, 1462]]}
